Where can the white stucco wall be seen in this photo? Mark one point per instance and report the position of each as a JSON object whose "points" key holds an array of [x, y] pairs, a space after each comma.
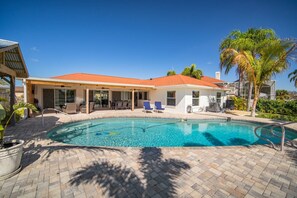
{"points": [[184, 97]]}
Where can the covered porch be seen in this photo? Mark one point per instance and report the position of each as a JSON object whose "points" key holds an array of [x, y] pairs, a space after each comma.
{"points": [[87, 96], [12, 66]]}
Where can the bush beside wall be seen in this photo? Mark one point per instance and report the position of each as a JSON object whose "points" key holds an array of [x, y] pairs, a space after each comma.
{"points": [[277, 107]]}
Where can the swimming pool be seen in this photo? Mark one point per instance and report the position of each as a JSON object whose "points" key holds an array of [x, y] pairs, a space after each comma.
{"points": [[157, 132]]}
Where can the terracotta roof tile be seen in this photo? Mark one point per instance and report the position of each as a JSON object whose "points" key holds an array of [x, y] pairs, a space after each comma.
{"points": [[161, 81], [99, 78], [212, 80], [180, 80]]}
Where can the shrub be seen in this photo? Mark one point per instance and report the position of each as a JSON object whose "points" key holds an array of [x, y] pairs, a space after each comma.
{"points": [[239, 103], [277, 107]]}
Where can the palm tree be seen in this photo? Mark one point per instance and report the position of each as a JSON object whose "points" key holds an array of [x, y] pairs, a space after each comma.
{"points": [[191, 71], [171, 73], [293, 77], [269, 58], [282, 94], [251, 40]]}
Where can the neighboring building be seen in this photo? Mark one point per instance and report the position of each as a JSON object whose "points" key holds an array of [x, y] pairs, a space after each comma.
{"points": [[176, 92], [267, 91]]}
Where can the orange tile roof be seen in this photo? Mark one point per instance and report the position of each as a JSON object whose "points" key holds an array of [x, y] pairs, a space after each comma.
{"points": [[161, 81], [180, 80], [211, 80], [99, 78]]}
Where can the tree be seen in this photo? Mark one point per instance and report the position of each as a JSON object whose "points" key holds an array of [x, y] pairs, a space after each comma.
{"points": [[293, 77], [191, 71], [171, 73], [282, 94], [268, 57], [251, 41]]}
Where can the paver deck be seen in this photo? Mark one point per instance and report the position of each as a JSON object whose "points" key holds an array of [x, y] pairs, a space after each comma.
{"points": [[52, 169]]}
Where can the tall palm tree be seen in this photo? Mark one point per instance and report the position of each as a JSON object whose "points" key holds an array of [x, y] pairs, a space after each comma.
{"points": [[293, 77], [251, 40], [191, 71], [171, 73], [271, 58]]}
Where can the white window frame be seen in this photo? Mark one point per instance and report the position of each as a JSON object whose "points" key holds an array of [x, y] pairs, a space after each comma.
{"points": [[171, 98], [195, 98], [220, 98]]}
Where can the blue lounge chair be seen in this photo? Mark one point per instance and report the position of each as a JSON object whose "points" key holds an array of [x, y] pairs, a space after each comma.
{"points": [[147, 107], [158, 106]]}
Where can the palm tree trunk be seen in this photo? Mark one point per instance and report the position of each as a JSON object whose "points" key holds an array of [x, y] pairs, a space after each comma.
{"points": [[250, 96], [239, 86], [256, 97]]}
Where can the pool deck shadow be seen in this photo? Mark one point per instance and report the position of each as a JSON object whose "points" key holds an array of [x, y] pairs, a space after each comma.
{"points": [[53, 169]]}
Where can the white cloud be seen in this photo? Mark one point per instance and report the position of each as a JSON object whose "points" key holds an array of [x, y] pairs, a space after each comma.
{"points": [[35, 49], [34, 60]]}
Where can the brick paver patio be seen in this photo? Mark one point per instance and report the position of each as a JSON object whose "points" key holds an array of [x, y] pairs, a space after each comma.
{"points": [[52, 169]]}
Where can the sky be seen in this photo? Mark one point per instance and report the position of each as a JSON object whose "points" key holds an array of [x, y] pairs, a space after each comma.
{"points": [[141, 39]]}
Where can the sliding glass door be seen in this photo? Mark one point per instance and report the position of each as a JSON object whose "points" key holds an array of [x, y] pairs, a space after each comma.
{"points": [[63, 96], [101, 98]]}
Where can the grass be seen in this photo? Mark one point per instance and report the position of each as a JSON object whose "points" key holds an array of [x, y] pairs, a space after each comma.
{"points": [[277, 116]]}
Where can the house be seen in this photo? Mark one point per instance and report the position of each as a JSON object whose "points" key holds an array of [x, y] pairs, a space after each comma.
{"points": [[177, 92], [242, 89]]}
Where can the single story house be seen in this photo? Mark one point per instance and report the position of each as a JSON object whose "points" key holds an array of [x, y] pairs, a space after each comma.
{"points": [[176, 92]]}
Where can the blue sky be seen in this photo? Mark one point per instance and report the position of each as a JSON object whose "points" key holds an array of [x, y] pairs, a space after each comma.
{"points": [[141, 39]]}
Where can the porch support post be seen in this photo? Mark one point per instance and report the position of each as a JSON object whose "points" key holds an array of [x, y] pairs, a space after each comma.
{"points": [[30, 97], [12, 99], [87, 101], [132, 107], [25, 91]]}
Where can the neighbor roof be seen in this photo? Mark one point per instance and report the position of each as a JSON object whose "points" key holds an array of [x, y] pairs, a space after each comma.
{"points": [[13, 57], [161, 81]]}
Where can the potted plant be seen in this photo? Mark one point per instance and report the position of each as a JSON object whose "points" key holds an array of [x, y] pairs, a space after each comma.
{"points": [[11, 151]]}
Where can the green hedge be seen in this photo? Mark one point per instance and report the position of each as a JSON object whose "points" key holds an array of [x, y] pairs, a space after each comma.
{"points": [[281, 107]]}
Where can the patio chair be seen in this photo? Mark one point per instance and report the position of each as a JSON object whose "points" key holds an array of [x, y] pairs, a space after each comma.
{"points": [[125, 104], [119, 104], [158, 106], [83, 108], [69, 108], [129, 104], [112, 105], [147, 107]]}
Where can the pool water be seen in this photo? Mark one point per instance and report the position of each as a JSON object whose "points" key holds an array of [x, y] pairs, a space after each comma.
{"points": [[147, 132]]}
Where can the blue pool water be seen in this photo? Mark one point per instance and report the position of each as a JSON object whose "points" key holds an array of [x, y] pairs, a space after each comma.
{"points": [[145, 132]]}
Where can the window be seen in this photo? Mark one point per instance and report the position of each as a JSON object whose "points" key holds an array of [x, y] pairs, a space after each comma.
{"points": [[171, 98], [125, 95], [63, 96], [195, 98], [142, 96], [219, 97], [60, 97], [70, 96]]}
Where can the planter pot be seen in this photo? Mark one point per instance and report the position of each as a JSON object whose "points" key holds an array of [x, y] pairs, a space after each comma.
{"points": [[10, 158]]}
